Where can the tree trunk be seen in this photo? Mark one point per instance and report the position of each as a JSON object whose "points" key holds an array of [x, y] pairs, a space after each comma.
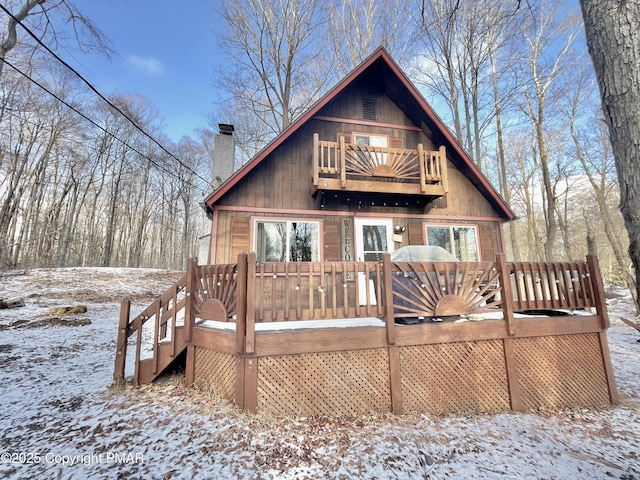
{"points": [[612, 36], [502, 164]]}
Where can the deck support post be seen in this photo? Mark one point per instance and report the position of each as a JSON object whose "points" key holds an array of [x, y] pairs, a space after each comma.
{"points": [[507, 294], [251, 384], [240, 381], [247, 383], [595, 278], [513, 379], [388, 298], [190, 292], [241, 303], [190, 366], [250, 310], [395, 380], [608, 368], [246, 367], [121, 344]]}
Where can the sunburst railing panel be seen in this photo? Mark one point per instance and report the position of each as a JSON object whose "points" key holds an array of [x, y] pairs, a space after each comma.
{"points": [[431, 289]]}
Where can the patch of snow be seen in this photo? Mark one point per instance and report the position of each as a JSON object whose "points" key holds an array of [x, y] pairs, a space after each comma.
{"points": [[60, 418], [299, 324]]}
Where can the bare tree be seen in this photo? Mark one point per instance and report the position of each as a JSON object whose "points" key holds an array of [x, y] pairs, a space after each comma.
{"points": [[611, 30], [463, 44], [275, 67], [522, 174], [46, 19], [358, 27], [75, 191], [549, 45]]}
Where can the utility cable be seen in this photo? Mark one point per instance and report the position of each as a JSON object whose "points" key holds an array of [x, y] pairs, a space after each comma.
{"points": [[156, 164], [95, 90]]}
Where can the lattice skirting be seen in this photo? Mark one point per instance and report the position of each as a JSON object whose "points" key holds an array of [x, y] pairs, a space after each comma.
{"points": [[561, 371], [547, 372], [454, 377], [335, 383], [216, 371]]}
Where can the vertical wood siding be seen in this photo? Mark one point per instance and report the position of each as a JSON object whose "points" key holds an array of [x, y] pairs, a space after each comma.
{"points": [[283, 181]]}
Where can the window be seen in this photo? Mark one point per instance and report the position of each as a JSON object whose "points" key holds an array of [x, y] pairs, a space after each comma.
{"points": [[457, 240], [287, 241], [371, 159], [370, 140]]}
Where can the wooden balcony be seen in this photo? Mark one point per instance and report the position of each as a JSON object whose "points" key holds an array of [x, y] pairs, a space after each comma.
{"points": [[361, 168]]}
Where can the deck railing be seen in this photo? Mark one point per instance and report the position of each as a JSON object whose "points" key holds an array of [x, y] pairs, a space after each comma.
{"points": [[559, 285], [328, 290], [346, 166], [316, 290], [250, 292], [161, 330], [156, 324]]}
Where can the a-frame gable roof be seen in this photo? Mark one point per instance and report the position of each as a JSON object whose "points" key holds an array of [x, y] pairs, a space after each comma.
{"points": [[400, 89]]}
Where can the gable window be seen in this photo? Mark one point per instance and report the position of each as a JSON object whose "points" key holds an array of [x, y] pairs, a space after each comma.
{"points": [[370, 159], [370, 140], [287, 241], [461, 241]]}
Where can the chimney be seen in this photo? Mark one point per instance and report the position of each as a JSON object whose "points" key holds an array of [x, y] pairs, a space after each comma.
{"points": [[224, 147]]}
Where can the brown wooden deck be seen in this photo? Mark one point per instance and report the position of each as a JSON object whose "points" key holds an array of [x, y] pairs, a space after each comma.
{"points": [[493, 358]]}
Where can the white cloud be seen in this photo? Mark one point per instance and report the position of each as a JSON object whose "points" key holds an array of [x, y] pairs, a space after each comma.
{"points": [[149, 66]]}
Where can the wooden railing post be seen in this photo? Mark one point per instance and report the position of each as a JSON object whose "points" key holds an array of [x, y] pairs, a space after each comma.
{"points": [[246, 372], [156, 337], [343, 164], [595, 278], [507, 294], [190, 293], [250, 335], [443, 168], [121, 344], [388, 298], [423, 169], [241, 302], [316, 160]]}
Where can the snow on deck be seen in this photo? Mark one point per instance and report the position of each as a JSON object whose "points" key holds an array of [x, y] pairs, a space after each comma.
{"points": [[359, 322]]}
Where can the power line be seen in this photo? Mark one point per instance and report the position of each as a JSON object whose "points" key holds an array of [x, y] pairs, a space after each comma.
{"points": [[95, 90], [156, 164], [78, 142]]}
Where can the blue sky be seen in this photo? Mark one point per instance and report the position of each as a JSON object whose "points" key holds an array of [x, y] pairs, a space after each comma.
{"points": [[166, 50]]}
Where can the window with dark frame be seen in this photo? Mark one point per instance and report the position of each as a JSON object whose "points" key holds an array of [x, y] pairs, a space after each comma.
{"points": [[287, 241]]}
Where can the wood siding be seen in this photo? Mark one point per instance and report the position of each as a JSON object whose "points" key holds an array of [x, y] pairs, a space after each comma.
{"points": [[283, 182]]}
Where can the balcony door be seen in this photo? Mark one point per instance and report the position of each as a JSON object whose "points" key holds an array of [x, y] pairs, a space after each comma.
{"points": [[373, 238]]}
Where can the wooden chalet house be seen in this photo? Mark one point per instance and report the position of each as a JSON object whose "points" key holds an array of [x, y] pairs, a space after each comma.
{"points": [[299, 309], [368, 169]]}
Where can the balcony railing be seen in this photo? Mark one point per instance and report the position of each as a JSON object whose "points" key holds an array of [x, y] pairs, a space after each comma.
{"points": [[362, 168]]}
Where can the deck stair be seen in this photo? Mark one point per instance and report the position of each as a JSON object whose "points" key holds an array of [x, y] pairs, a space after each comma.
{"points": [[161, 331], [158, 330], [166, 352]]}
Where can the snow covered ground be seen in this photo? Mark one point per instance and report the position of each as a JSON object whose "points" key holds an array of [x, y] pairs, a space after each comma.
{"points": [[59, 418]]}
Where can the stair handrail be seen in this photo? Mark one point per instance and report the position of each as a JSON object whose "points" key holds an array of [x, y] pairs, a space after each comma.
{"points": [[165, 307]]}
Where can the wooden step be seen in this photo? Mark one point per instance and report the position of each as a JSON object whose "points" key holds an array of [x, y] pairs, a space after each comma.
{"points": [[147, 370]]}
